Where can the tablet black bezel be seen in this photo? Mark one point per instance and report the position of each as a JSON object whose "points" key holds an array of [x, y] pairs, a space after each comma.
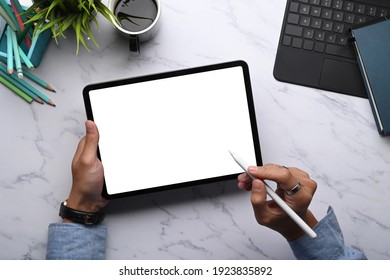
{"points": [[251, 110]]}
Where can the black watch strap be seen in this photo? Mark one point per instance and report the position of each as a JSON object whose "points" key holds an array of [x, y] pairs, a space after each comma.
{"points": [[81, 217]]}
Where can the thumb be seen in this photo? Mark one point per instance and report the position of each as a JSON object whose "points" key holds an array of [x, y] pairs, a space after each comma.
{"points": [[91, 140], [259, 199]]}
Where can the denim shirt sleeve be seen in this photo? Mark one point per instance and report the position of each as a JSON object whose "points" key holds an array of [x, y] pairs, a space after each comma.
{"points": [[329, 244], [68, 241]]}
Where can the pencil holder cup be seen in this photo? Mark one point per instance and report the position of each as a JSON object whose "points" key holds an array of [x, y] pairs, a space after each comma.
{"points": [[138, 20], [34, 49]]}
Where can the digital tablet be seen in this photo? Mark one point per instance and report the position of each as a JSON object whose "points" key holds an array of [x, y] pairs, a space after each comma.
{"points": [[174, 129]]}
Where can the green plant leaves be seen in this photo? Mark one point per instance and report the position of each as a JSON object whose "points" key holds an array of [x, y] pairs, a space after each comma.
{"points": [[59, 16]]}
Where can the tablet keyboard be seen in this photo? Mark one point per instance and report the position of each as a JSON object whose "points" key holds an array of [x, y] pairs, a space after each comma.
{"points": [[323, 25]]}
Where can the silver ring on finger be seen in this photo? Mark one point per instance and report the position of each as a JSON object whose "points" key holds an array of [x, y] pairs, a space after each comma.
{"points": [[294, 189]]}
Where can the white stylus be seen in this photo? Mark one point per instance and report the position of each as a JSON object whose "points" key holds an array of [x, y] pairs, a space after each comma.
{"points": [[278, 200]]}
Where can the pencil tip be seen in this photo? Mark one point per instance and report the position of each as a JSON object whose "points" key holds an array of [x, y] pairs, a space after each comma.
{"points": [[49, 87], [51, 103], [10, 71]]}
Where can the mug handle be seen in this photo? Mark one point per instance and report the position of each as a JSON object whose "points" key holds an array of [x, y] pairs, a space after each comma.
{"points": [[134, 43]]}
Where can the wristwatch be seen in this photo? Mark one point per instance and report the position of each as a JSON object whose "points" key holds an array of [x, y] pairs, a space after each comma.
{"points": [[81, 217]]}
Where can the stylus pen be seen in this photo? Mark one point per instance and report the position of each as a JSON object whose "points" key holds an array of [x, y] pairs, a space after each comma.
{"points": [[279, 201]]}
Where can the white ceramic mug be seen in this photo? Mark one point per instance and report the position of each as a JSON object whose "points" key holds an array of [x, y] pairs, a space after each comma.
{"points": [[139, 19]]}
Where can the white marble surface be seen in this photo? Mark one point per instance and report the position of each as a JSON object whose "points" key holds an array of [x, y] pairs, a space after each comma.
{"points": [[331, 136]]}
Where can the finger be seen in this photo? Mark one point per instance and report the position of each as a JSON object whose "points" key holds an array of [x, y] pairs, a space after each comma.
{"points": [[91, 141], [259, 200], [244, 178], [307, 185], [244, 182], [279, 174], [298, 172], [300, 200], [304, 179]]}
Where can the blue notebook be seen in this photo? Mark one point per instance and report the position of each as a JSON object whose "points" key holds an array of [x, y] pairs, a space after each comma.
{"points": [[372, 45]]}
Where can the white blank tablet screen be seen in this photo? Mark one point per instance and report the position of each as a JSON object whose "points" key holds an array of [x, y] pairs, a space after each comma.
{"points": [[172, 130]]}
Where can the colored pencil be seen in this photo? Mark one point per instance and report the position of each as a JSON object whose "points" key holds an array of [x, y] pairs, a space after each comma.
{"points": [[15, 89], [29, 87], [30, 90], [25, 59], [17, 8], [33, 43], [10, 55], [3, 25], [20, 9], [26, 88], [18, 64], [24, 33], [38, 93], [8, 15], [3, 54], [38, 81], [33, 92], [7, 18], [17, 15]]}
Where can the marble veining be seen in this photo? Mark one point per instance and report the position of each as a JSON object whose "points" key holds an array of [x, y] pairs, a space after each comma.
{"points": [[331, 136]]}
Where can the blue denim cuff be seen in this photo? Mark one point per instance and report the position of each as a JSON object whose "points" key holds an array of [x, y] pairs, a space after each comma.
{"points": [[76, 242], [329, 244]]}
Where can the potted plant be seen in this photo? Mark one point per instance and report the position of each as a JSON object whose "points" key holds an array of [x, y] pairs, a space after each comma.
{"points": [[59, 16]]}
